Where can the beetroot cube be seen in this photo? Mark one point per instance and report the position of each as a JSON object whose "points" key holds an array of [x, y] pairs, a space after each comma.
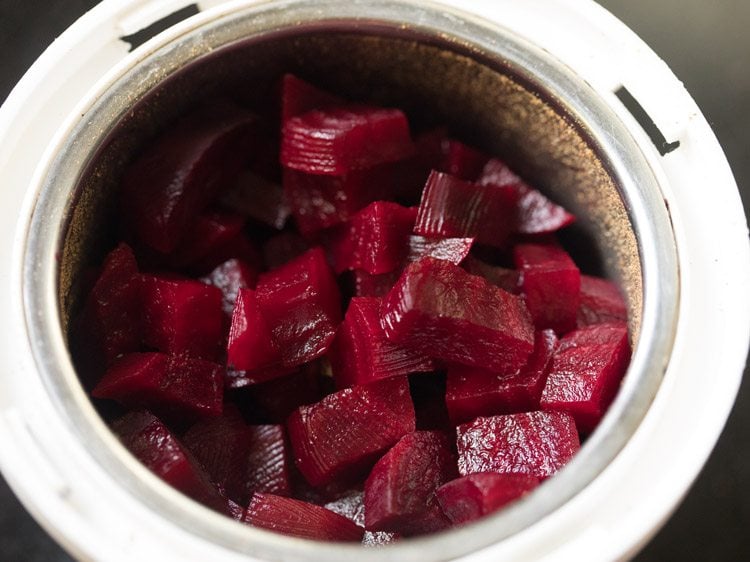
{"points": [[352, 506], [317, 202], [506, 279], [208, 233], [149, 440], [454, 250], [258, 198], [299, 519], [298, 97], [400, 491], [182, 171], [375, 240], [462, 161], [476, 495], [181, 316], [439, 309], [452, 207], [174, 386], [601, 302], [472, 392], [551, 283], [343, 434], [586, 372], [338, 140], [496, 172], [269, 461], [533, 443], [229, 278], [251, 346], [361, 353], [283, 247]]}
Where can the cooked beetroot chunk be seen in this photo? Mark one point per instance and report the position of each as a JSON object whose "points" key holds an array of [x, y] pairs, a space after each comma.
{"points": [[453, 250], [229, 278], [551, 283], [149, 440], [352, 506], [472, 392], [342, 435], [586, 372], [533, 443], [173, 386], [461, 160], [298, 97], [251, 346], [208, 233], [400, 491], [182, 171], [475, 495], [339, 140], [601, 302], [361, 353], [299, 519], [258, 198], [182, 316], [454, 208], [375, 240], [439, 309]]}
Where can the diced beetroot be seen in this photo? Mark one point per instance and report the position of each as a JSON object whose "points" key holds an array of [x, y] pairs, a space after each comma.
{"points": [[182, 316], [299, 519], [361, 353], [111, 320], [535, 214], [462, 161], [472, 392], [454, 208], [367, 285], [149, 440], [258, 198], [586, 372], [400, 491], [506, 279], [375, 240], [476, 495], [551, 283], [206, 234], [601, 301], [283, 247], [182, 171], [339, 140], [533, 443], [298, 97], [454, 250], [243, 459], [352, 506], [175, 387], [291, 317], [428, 396], [439, 309], [343, 434], [229, 278], [318, 202]]}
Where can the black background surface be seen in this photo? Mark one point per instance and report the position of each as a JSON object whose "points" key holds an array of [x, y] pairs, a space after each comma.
{"points": [[708, 47]]}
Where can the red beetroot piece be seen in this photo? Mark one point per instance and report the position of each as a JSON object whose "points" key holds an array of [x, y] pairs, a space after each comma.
{"points": [[601, 302], [317, 202], [451, 207], [400, 491], [208, 233], [461, 160], [586, 372], [149, 440], [375, 240], [290, 319], [175, 387], [283, 247], [533, 443], [299, 519], [506, 279], [241, 458], [472, 392], [534, 213], [352, 506], [229, 278], [110, 324], [550, 283], [339, 140], [342, 435], [182, 171], [476, 495], [182, 316], [454, 250], [257, 198], [361, 353], [299, 97], [439, 309]]}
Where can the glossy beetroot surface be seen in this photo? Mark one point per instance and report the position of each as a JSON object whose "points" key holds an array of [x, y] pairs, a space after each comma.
{"points": [[328, 323]]}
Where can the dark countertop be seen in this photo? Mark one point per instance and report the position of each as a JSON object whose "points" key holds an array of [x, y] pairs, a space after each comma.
{"points": [[708, 47]]}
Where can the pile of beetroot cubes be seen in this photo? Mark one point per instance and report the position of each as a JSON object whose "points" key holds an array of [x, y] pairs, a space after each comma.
{"points": [[379, 338]]}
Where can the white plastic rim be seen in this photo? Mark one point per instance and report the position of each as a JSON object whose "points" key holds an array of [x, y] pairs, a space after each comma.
{"points": [[80, 505]]}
